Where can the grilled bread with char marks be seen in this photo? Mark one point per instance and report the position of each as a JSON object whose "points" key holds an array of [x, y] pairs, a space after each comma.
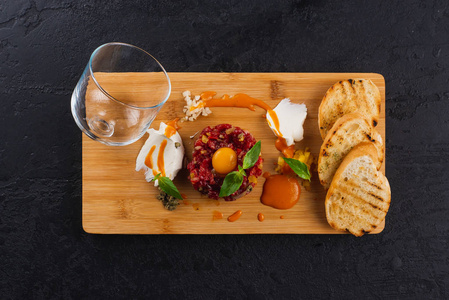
{"points": [[347, 96], [359, 196], [349, 131]]}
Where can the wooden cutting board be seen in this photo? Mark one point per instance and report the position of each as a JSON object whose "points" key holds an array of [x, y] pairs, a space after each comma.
{"points": [[118, 200]]}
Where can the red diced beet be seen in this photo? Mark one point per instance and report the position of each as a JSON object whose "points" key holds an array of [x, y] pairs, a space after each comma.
{"points": [[204, 178]]}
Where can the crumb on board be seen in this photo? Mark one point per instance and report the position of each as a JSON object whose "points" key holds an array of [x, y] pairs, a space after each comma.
{"points": [[194, 107]]}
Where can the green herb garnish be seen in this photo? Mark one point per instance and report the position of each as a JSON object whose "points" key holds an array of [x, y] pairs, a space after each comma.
{"points": [[251, 156], [167, 186], [231, 183], [298, 167], [234, 180]]}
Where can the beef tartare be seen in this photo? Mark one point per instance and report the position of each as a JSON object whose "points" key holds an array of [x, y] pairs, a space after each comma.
{"points": [[204, 177]]}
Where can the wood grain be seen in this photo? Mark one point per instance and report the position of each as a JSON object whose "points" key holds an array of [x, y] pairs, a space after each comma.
{"points": [[118, 200]]}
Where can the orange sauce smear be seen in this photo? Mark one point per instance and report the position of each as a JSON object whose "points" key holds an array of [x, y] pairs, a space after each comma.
{"points": [[281, 145], [260, 217], [239, 100], [196, 206], [280, 191], [281, 217], [160, 158], [235, 216], [275, 119], [172, 128], [216, 215], [184, 196], [149, 157]]}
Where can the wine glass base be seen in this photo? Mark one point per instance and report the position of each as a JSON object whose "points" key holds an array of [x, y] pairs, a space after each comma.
{"points": [[101, 127]]}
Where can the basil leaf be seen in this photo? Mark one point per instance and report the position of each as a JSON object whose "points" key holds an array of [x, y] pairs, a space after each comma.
{"points": [[242, 171], [231, 183], [252, 156], [298, 167], [167, 186]]}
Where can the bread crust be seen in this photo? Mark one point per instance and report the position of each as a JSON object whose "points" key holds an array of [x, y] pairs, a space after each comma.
{"points": [[347, 96]]}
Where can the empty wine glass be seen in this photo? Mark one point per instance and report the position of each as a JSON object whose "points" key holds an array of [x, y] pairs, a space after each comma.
{"points": [[119, 94]]}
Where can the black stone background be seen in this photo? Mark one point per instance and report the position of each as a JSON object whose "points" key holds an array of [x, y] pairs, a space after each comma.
{"points": [[45, 45]]}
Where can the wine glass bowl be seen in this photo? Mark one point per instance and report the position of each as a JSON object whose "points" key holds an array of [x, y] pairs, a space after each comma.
{"points": [[119, 94]]}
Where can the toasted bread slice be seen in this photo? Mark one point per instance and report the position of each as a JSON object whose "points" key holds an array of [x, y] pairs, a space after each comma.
{"points": [[347, 96], [359, 196], [349, 131]]}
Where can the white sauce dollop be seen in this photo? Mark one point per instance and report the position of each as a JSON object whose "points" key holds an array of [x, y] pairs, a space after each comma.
{"points": [[173, 154], [291, 118]]}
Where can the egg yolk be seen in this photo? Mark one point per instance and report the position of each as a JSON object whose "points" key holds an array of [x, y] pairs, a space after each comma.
{"points": [[224, 160]]}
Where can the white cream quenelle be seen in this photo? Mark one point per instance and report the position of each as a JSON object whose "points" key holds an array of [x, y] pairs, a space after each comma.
{"points": [[161, 154], [291, 118]]}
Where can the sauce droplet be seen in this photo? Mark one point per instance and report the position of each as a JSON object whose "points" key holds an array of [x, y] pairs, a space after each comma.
{"points": [[186, 202], [266, 175], [184, 196], [216, 215], [281, 217], [280, 191], [196, 206], [235, 216], [260, 217]]}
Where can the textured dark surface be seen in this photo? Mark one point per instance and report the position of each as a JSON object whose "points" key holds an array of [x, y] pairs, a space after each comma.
{"points": [[44, 46]]}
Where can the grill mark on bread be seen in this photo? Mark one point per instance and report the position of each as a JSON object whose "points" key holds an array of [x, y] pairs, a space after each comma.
{"points": [[359, 218], [374, 185], [375, 196], [355, 186], [347, 188], [352, 86], [360, 202], [354, 219], [357, 202], [340, 220]]}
